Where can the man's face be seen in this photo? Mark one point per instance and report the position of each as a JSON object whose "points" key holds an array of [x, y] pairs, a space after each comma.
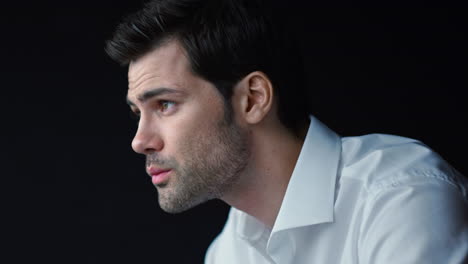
{"points": [[193, 153]]}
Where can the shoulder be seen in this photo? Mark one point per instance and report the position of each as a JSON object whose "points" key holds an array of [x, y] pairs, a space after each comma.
{"points": [[415, 202], [427, 219], [382, 161]]}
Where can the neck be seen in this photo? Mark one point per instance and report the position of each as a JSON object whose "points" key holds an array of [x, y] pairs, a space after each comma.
{"points": [[262, 187]]}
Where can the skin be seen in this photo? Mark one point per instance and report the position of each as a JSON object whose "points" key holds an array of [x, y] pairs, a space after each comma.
{"points": [[247, 162]]}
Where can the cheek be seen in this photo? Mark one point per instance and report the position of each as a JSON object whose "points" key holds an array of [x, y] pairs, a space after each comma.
{"points": [[195, 126], [189, 136], [199, 122]]}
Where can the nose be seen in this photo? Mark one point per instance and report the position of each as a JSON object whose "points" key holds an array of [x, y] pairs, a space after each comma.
{"points": [[147, 140]]}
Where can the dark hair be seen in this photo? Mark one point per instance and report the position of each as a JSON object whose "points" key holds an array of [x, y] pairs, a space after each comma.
{"points": [[225, 40]]}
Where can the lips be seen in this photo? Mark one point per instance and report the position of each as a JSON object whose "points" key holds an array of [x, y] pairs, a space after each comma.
{"points": [[159, 175]]}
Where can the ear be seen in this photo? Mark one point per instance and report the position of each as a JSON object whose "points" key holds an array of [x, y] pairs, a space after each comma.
{"points": [[254, 97]]}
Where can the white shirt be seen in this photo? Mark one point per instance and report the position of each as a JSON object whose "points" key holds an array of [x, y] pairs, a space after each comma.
{"points": [[374, 199]]}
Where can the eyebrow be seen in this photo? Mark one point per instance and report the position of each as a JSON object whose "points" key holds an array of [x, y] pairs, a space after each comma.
{"points": [[152, 93]]}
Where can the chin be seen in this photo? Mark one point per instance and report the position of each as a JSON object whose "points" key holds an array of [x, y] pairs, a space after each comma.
{"points": [[178, 206]]}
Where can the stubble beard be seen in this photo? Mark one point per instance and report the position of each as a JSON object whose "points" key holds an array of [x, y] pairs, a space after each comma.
{"points": [[212, 166]]}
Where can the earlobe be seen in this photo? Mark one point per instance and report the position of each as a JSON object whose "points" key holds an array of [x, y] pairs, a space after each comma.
{"points": [[258, 97]]}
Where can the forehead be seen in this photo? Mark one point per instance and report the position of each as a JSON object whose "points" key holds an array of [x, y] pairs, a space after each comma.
{"points": [[166, 65]]}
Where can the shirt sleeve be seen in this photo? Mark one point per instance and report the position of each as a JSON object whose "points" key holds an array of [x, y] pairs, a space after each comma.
{"points": [[423, 222]]}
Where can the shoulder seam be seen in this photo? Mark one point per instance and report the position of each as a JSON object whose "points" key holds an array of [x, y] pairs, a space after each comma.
{"points": [[399, 180]]}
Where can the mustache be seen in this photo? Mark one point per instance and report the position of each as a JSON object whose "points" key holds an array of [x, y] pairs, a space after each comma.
{"points": [[154, 159]]}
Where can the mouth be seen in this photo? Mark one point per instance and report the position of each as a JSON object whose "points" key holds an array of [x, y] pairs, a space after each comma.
{"points": [[158, 175]]}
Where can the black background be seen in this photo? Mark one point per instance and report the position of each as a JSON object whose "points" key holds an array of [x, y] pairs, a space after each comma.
{"points": [[76, 193]]}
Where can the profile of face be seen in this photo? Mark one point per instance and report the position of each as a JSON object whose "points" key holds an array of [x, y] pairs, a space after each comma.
{"points": [[194, 152]]}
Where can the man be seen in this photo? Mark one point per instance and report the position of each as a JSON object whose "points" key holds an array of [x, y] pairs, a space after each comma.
{"points": [[223, 115]]}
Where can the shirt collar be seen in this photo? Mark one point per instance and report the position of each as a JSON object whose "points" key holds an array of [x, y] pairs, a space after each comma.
{"points": [[310, 195]]}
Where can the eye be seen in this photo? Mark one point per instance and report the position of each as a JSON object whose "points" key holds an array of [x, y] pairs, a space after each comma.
{"points": [[165, 105]]}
